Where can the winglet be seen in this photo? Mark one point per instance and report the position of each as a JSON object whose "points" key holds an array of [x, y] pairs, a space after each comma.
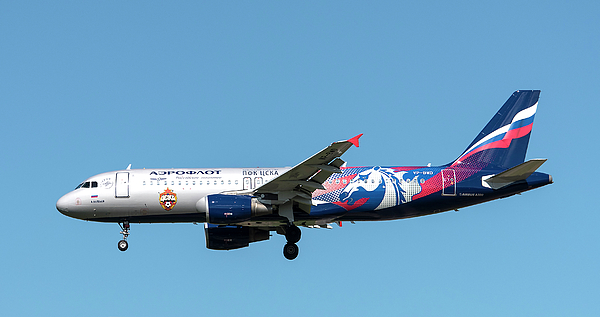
{"points": [[354, 140]]}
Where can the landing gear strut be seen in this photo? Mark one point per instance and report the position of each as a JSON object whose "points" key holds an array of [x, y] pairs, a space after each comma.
{"points": [[292, 235], [123, 245]]}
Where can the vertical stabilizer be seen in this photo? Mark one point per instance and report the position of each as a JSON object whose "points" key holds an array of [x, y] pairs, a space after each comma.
{"points": [[504, 140]]}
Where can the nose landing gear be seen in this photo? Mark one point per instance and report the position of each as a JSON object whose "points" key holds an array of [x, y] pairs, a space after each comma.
{"points": [[123, 245]]}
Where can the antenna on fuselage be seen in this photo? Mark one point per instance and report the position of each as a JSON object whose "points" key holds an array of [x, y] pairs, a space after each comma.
{"points": [[128, 167]]}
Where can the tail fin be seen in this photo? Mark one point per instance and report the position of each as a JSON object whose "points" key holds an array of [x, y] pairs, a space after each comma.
{"points": [[504, 140]]}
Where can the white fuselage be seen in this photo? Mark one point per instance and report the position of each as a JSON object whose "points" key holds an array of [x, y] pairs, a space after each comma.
{"points": [[139, 192]]}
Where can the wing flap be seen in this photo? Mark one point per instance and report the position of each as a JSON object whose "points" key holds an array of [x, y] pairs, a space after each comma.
{"points": [[324, 173]]}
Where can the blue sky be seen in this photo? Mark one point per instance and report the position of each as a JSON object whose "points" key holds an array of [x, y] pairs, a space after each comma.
{"points": [[88, 87]]}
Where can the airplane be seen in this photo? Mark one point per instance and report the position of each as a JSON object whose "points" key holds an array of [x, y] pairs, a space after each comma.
{"points": [[239, 206]]}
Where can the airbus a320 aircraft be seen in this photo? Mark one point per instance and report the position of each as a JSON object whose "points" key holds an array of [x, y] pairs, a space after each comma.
{"points": [[243, 205]]}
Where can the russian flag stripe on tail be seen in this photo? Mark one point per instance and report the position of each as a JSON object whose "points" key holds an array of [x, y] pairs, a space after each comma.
{"points": [[504, 140]]}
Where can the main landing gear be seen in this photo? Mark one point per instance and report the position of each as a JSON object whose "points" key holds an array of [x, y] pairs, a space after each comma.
{"points": [[292, 235], [123, 245]]}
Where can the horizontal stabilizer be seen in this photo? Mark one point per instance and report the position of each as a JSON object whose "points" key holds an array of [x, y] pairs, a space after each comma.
{"points": [[512, 175]]}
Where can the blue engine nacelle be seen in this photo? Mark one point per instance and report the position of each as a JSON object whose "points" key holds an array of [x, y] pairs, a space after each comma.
{"points": [[230, 209]]}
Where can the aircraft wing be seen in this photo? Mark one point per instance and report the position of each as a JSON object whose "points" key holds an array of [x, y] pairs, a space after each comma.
{"points": [[297, 184]]}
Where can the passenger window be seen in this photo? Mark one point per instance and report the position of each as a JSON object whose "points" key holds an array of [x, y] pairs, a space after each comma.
{"points": [[236, 181], [229, 182], [344, 181], [199, 182], [337, 181], [215, 182], [179, 183], [151, 183], [222, 182], [186, 183], [144, 183], [194, 183], [172, 183]]}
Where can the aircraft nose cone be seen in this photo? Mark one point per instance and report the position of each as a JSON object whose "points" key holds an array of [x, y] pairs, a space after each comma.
{"points": [[62, 205]]}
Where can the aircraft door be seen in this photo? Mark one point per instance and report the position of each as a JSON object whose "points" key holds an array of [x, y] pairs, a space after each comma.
{"points": [[247, 183], [122, 185], [448, 182], [258, 181]]}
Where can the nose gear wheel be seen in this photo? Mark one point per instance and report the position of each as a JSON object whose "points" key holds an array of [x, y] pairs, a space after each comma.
{"points": [[123, 245]]}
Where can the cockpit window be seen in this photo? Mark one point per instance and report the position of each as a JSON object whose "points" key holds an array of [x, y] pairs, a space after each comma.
{"points": [[87, 185]]}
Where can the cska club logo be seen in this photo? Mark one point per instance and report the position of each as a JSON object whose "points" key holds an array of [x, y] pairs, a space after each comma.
{"points": [[167, 199]]}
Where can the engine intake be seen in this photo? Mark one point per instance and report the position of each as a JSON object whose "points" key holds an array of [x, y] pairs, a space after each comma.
{"points": [[230, 209]]}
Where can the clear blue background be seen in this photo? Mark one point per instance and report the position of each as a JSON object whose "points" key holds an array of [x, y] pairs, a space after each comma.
{"points": [[91, 87]]}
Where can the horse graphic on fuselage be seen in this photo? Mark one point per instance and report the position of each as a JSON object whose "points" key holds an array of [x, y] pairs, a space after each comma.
{"points": [[383, 187]]}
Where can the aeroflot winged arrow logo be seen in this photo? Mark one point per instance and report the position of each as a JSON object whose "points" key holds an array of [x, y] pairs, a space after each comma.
{"points": [[167, 199]]}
